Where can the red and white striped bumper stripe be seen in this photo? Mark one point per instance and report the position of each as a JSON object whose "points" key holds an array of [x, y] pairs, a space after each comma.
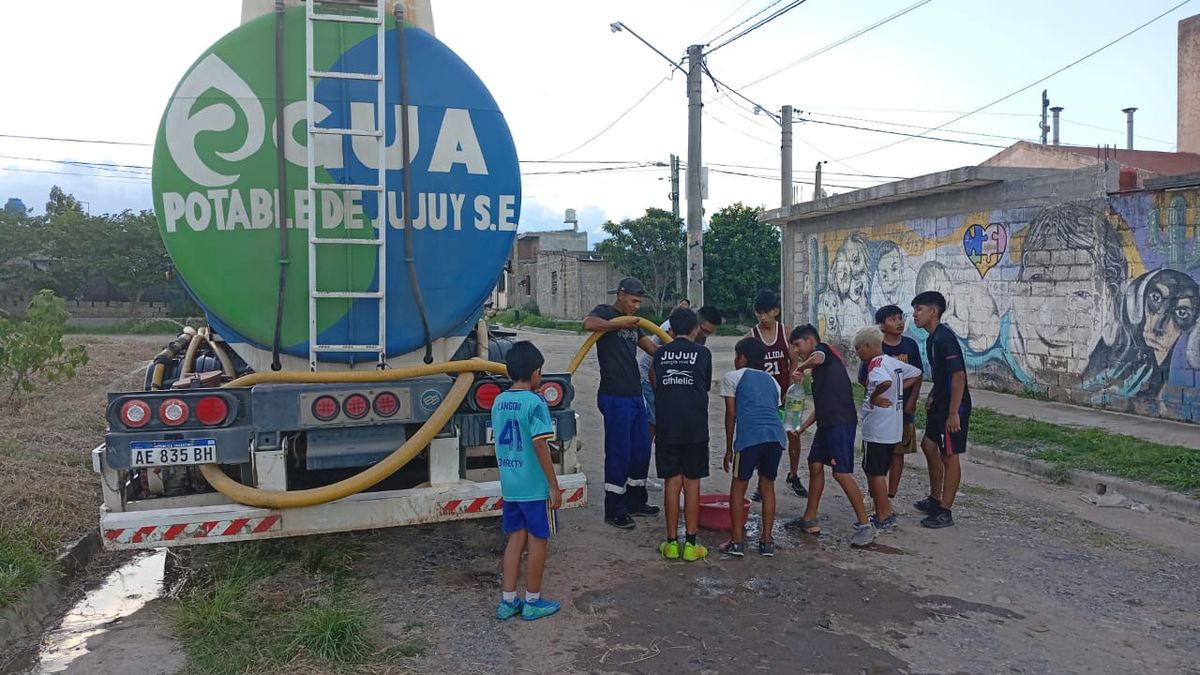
{"points": [[209, 529], [482, 504]]}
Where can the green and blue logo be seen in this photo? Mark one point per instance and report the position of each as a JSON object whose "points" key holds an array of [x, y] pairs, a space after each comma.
{"points": [[219, 202]]}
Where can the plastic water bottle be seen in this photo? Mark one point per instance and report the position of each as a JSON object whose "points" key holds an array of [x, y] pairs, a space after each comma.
{"points": [[793, 407]]}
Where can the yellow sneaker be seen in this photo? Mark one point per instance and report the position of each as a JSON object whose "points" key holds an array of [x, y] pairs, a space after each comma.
{"points": [[669, 549], [694, 552]]}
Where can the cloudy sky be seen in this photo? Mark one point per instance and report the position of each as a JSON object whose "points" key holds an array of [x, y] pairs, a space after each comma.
{"points": [[102, 71]]}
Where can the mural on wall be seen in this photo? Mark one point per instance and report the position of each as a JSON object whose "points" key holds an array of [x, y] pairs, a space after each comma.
{"points": [[1094, 302]]}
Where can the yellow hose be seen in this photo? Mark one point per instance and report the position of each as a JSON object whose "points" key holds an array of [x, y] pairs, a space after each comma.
{"points": [[591, 340], [283, 499], [286, 499]]}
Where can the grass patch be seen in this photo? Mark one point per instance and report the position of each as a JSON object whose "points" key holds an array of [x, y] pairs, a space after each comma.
{"points": [[135, 327], [276, 605], [21, 565], [977, 490], [1035, 394], [731, 330], [1169, 466]]}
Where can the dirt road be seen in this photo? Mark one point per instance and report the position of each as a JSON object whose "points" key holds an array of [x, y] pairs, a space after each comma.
{"points": [[1029, 580]]}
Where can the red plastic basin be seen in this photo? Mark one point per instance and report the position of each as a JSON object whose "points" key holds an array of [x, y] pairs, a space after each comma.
{"points": [[714, 511]]}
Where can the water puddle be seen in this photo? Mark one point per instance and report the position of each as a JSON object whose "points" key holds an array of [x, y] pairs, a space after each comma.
{"points": [[122, 593]]}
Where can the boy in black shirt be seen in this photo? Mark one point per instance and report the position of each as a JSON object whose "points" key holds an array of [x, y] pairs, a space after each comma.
{"points": [[836, 417], [681, 374], [904, 349], [626, 428], [948, 410]]}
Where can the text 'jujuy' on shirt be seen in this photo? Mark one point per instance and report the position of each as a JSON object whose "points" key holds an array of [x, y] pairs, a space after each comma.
{"points": [[682, 373]]}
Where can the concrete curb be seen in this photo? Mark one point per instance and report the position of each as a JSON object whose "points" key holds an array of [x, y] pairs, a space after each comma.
{"points": [[38, 605], [1151, 495], [544, 331]]}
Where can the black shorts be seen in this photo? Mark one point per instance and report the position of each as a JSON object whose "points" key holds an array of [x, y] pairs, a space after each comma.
{"points": [[689, 459], [947, 443], [877, 458]]}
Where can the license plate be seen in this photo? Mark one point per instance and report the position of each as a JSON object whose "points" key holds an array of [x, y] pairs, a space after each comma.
{"points": [[490, 439], [173, 453]]}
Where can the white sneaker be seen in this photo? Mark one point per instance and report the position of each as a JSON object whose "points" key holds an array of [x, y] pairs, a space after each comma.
{"points": [[864, 534]]}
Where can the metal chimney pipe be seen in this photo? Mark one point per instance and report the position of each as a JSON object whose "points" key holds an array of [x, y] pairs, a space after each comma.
{"points": [[1129, 127], [1054, 123]]}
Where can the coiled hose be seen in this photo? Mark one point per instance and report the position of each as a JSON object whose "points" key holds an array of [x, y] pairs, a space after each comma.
{"points": [[286, 499]]}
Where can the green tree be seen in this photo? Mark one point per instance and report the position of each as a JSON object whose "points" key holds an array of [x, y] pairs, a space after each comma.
{"points": [[33, 346], [650, 248], [741, 256]]}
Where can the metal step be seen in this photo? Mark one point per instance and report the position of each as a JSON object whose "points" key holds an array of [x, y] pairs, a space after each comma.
{"points": [[347, 348], [343, 75], [333, 131], [339, 240], [339, 18], [347, 294], [345, 186]]}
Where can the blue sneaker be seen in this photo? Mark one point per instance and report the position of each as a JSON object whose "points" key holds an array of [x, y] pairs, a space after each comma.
{"points": [[884, 525], [507, 610], [538, 609]]}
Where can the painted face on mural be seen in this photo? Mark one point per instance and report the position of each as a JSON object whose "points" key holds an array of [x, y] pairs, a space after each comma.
{"points": [[1065, 302], [1170, 311], [850, 269]]}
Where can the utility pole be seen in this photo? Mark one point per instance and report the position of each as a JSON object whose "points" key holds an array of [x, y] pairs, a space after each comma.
{"points": [[1045, 107], [785, 158], [675, 185], [785, 201], [695, 208]]}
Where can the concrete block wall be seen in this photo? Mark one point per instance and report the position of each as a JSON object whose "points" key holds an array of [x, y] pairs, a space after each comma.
{"points": [[1053, 285]]}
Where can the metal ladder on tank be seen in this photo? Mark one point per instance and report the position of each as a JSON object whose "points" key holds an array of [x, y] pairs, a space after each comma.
{"points": [[314, 18]]}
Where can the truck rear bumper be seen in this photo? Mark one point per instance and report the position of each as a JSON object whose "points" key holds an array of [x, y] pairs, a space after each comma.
{"points": [[186, 526]]}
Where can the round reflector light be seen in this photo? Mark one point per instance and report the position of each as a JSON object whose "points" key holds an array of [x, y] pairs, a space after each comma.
{"points": [[553, 393], [356, 406], [212, 410], [485, 395], [135, 414], [173, 412], [325, 408], [386, 404]]}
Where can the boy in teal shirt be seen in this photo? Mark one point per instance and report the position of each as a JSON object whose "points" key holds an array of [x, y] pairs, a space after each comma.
{"points": [[521, 421]]}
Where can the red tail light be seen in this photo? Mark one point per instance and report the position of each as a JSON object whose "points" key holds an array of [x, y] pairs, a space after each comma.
{"points": [[135, 414], [386, 404], [173, 412], [356, 406], [553, 393], [485, 395], [212, 410], [325, 408]]}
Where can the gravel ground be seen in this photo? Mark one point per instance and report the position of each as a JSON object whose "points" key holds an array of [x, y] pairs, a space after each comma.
{"points": [[1030, 580]]}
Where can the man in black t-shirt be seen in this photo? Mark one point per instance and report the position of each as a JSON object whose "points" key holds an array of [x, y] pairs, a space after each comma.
{"points": [[681, 374], [948, 410], [626, 429]]}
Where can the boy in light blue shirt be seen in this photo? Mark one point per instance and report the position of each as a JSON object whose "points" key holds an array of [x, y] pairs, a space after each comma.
{"points": [[521, 421], [754, 441]]}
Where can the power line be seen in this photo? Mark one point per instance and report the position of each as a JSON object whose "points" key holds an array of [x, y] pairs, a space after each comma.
{"points": [[1028, 86], [839, 42], [793, 5], [581, 171], [776, 178], [901, 133], [723, 123], [911, 126], [743, 22], [115, 179], [74, 140], [116, 168], [727, 17], [826, 173], [612, 124]]}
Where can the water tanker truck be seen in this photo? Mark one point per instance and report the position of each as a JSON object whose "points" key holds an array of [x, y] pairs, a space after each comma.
{"points": [[339, 196]]}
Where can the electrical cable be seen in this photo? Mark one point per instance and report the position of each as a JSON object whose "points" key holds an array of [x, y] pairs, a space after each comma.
{"points": [[1028, 86], [614, 122], [741, 23], [74, 140], [839, 42], [727, 17], [793, 5]]}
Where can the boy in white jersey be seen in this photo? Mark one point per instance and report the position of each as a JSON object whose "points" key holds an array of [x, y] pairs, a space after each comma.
{"points": [[882, 417]]}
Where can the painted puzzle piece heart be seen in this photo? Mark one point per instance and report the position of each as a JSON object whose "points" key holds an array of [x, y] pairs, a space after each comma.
{"points": [[985, 246]]}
